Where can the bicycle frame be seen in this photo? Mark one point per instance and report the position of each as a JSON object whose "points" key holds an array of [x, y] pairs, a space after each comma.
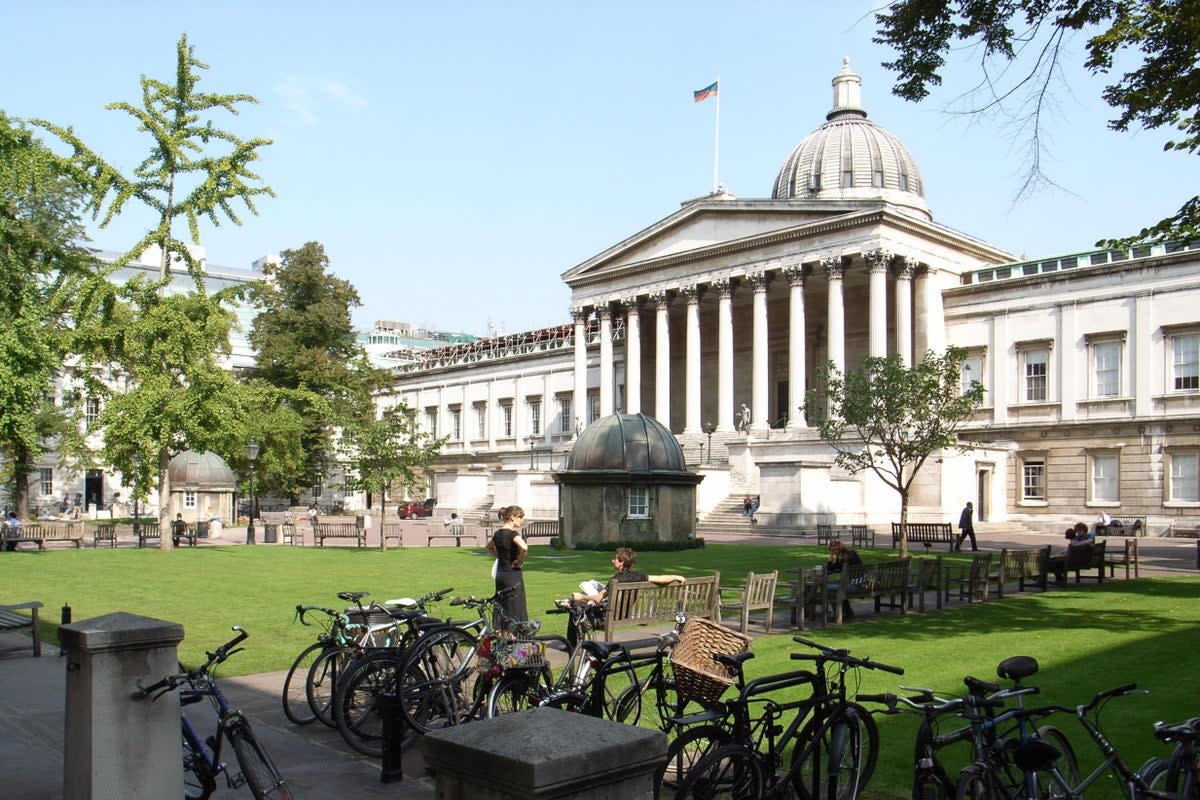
{"points": [[210, 749]]}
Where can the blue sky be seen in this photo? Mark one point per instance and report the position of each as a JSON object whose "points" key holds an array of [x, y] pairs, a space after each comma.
{"points": [[456, 158]]}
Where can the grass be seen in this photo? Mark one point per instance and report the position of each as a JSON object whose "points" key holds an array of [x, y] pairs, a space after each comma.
{"points": [[1086, 638]]}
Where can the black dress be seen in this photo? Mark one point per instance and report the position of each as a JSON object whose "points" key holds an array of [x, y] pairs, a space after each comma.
{"points": [[508, 576]]}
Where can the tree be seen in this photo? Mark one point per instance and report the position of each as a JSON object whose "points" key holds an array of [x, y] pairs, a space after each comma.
{"points": [[1160, 39], [385, 453], [43, 271], [890, 418], [182, 176], [305, 341]]}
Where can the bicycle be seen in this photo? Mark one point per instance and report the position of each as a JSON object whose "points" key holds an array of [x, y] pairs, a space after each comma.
{"points": [[833, 754], [202, 757]]}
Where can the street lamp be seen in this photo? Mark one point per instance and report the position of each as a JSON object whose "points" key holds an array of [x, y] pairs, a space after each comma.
{"points": [[251, 456], [531, 455], [708, 430], [133, 460]]}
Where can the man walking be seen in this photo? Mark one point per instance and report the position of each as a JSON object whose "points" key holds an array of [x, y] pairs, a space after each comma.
{"points": [[966, 526]]}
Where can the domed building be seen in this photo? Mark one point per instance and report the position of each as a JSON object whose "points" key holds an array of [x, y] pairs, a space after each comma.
{"points": [[714, 319], [626, 480], [203, 488]]}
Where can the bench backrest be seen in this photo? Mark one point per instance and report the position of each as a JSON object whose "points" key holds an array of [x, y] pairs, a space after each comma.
{"points": [[332, 529], [1085, 556], [60, 530], [644, 602], [892, 576], [1024, 563]]}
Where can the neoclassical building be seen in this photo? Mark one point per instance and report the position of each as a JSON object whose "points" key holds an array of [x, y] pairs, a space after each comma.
{"points": [[714, 320]]}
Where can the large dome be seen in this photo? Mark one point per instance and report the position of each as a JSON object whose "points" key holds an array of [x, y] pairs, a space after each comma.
{"points": [[852, 158], [205, 471], [627, 443]]}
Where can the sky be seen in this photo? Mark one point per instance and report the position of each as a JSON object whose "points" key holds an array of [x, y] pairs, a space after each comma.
{"points": [[456, 158]]}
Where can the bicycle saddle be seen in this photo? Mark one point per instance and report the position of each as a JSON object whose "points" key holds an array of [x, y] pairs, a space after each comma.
{"points": [[732, 660], [602, 651], [352, 597], [1017, 667], [1033, 755]]}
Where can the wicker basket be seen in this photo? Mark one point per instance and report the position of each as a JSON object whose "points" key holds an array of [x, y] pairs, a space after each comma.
{"points": [[697, 676]]}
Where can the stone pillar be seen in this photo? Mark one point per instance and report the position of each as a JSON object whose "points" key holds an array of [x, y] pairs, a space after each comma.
{"points": [[724, 354], [758, 381], [662, 359], [606, 360], [116, 746], [691, 401], [633, 357], [904, 267], [835, 270], [877, 264], [935, 315], [795, 275], [579, 398], [541, 754]]}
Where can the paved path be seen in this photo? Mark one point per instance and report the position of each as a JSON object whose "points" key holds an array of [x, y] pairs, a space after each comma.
{"points": [[316, 762]]}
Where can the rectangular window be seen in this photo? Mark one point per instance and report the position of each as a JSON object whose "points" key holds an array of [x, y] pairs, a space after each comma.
{"points": [[46, 479], [480, 420], [189, 499], [1036, 364], [1185, 362], [431, 420], [91, 411], [456, 432], [564, 414], [1033, 479], [639, 502], [1105, 477], [971, 371], [506, 418], [535, 416], [593, 408], [1185, 476], [1106, 366]]}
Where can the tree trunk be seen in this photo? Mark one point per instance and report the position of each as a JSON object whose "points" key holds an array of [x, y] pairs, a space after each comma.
{"points": [[903, 524], [382, 521], [164, 501], [22, 464]]}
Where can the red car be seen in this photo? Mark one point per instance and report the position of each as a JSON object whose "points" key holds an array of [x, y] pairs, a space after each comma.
{"points": [[417, 509]]}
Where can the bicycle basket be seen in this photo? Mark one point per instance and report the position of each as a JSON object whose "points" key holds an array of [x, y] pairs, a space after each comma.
{"points": [[498, 655], [697, 676], [371, 618]]}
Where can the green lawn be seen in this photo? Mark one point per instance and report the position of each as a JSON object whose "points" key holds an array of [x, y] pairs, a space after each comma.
{"points": [[1086, 638]]}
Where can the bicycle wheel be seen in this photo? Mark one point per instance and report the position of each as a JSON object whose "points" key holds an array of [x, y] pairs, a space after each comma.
{"points": [[198, 779], [1067, 766], [933, 786], [835, 758], [516, 691], [973, 784], [1183, 776], [320, 684], [684, 752], [356, 701], [259, 771], [440, 685], [1154, 773], [731, 772], [295, 699]]}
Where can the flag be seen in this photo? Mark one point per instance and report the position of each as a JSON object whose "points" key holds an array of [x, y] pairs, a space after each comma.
{"points": [[701, 95]]}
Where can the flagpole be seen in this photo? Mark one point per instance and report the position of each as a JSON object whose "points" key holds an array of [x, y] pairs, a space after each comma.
{"points": [[717, 140]]}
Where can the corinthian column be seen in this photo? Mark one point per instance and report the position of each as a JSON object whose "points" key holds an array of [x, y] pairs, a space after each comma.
{"points": [[633, 357], [606, 360], [579, 398], [904, 268], [796, 275], [691, 400], [835, 270], [724, 354], [877, 264], [662, 359], [758, 381]]}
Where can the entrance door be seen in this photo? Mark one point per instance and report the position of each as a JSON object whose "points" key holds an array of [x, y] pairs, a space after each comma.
{"points": [[782, 412], [983, 480], [93, 489]]}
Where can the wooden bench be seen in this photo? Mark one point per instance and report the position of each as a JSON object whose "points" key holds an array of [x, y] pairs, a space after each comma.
{"points": [[806, 591], [1127, 558], [1188, 527], [1080, 559], [104, 533], [289, 534], [642, 602], [41, 532], [927, 533], [10, 621], [1027, 566], [1123, 526], [338, 530], [971, 579], [472, 533], [888, 579], [540, 529]]}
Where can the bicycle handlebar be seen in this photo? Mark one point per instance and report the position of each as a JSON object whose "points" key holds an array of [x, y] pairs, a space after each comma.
{"points": [[841, 657]]}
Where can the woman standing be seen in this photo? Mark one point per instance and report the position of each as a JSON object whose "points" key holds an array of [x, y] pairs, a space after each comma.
{"points": [[510, 551]]}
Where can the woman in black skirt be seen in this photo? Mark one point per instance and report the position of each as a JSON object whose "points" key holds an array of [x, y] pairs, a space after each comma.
{"points": [[510, 551]]}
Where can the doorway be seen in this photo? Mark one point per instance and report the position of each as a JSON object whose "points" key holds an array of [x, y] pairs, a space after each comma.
{"points": [[93, 489], [983, 480]]}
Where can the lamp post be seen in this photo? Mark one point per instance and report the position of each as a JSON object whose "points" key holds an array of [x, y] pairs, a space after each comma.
{"points": [[251, 456], [531, 455], [708, 430], [136, 527]]}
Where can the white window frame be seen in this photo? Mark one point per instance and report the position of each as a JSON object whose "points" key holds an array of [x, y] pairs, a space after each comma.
{"points": [[973, 368], [1035, 388], [1104, 476], [564, 414], [431, 420], [456, 428], [593, 407], [189, 499], [1184, 355], [638, 502], [91, 411], [481, 430], [534, 404], [506, 419], [1106, 355], [46, 480], [1033, 478], [1183, 476]]}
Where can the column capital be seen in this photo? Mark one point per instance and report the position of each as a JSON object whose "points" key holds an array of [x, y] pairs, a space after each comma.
{"points": [[796, 273], [604, 311], [628, 303], [904, 267], [690, 293], [877, 260], [835, 267], [660, 298], [579, 314], [724, 287], [758, 280]]}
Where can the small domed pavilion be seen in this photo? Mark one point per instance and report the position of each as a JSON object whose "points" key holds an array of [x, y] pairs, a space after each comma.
{"points": [[203, 487]]}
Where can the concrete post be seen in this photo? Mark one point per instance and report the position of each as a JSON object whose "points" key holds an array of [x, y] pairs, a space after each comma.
{"points": [[544, 754], [114, 745]]}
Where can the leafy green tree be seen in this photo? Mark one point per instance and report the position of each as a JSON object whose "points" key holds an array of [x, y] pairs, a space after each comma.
{"points": [[386, 453], [43, 272], [1159, 40], [177, 396], [889, 418], [305, 342]]}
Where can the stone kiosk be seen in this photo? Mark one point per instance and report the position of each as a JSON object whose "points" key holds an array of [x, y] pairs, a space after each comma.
{"points": [[626, 481]]}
